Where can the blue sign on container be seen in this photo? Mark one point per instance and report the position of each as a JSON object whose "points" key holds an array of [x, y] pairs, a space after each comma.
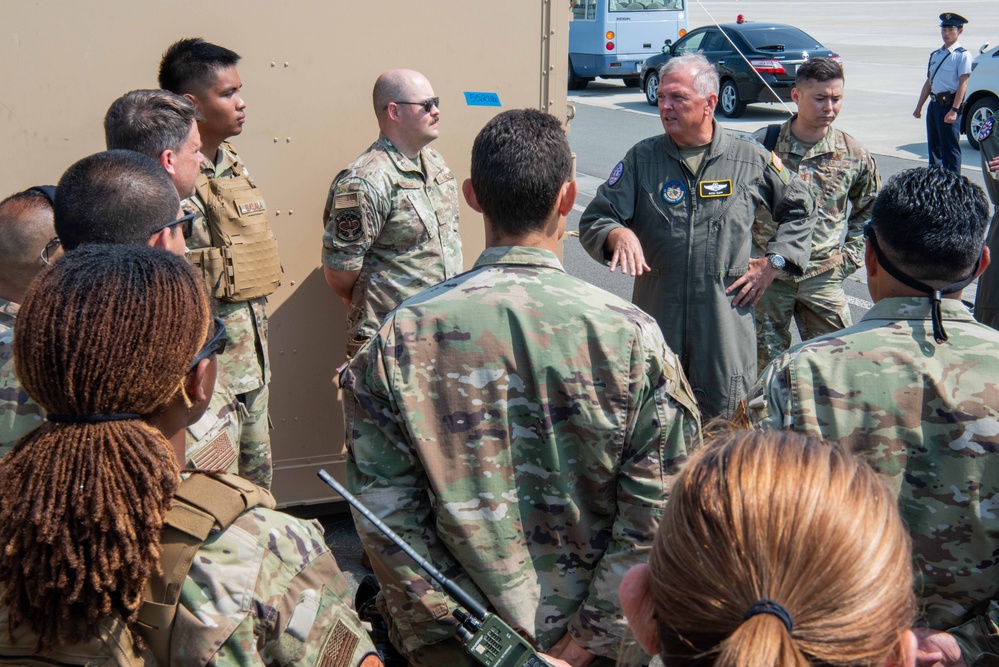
{"points": [[482, 99]]}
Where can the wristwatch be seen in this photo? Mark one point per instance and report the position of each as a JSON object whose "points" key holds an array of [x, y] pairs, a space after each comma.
{"points": [[956, 109], [777, 261]]}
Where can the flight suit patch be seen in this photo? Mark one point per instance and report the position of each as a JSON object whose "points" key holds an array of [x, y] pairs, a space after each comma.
{"points": [[986, 130], [616, 173], [348, 225], [710, 189], [674, 192]]}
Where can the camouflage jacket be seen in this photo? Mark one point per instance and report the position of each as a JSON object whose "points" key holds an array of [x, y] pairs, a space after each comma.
{"points": [[212, 442], [19, 414], [845, 182], [396, 220], [926, 417], [244, 366], [520, 428], [267, 591]]}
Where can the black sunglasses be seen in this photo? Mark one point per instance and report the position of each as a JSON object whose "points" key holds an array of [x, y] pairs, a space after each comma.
{"points": [[427, 104], [46, 254], [186, 220], [215, 346]]}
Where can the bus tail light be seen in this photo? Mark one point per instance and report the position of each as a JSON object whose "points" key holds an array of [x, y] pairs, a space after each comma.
{"points": [[610, 46]]}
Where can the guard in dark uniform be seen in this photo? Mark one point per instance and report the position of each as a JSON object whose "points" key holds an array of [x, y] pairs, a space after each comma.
{"points": [[946, 80]]}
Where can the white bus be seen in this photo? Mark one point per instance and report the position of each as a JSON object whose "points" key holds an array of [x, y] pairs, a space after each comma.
{"points": [[611, 38]]}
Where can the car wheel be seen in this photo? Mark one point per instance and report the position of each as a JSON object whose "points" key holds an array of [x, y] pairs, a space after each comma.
{"points": [[977, 114], [576, 82], [652, 88], [633, 82], [728, 100]]}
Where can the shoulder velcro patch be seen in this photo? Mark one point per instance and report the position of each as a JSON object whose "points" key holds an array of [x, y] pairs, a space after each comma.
{"points": [[339, 646], [778, 166], [616, 173], [347, 217]]}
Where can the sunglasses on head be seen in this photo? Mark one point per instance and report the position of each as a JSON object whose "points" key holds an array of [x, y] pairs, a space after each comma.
{"points": [[187, 222], [215, 346], [427, 104]]}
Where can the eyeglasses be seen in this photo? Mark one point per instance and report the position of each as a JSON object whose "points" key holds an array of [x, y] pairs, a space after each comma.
{"points": [[427, 104], [215, 346], [46, 255], [187, 221]]}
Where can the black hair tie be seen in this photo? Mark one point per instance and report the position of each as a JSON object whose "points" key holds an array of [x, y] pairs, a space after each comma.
{"points": [[773, 608], [93, 419]]}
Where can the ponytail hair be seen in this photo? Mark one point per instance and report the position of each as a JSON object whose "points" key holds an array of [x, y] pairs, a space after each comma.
{"points": [[779, 517], [104, 338]]}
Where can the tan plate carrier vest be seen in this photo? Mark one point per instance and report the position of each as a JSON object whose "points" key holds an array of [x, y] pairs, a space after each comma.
{"points": [[243, 262], [203, 502]]}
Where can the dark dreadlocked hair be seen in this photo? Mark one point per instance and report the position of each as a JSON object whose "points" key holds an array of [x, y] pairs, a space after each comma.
{"points": [[105, 329]]}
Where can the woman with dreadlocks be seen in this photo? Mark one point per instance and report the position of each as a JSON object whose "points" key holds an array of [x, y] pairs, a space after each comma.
{"points": [[111, 341]]}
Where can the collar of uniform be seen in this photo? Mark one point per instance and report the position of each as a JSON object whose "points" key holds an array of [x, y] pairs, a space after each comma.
{"points": [[719, 141], [952, 48], [788, 143], [402, 162], [225, 158], [8, 312], [917, 308], [519, 255]]}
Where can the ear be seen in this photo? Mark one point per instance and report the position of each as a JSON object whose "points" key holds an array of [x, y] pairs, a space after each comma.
{"points": [[473, 202], [200, 382], [166, 159], [193, 100], [161, 239], [636, 603], [393, 111], [567, 197], [712, 102], [794, 95], [984, 262]]}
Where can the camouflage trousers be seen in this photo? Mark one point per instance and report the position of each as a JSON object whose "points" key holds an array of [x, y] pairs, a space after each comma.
{"points": [[255, 441], [817, 305]]}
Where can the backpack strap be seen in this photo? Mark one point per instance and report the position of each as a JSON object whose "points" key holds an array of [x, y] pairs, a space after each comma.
{"points": [[203, 502], [770, 139]]}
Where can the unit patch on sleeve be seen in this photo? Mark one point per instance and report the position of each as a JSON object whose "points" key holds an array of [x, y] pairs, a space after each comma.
{"points": [[348, 225], [616, 173], [986, 130], [710, 189]]}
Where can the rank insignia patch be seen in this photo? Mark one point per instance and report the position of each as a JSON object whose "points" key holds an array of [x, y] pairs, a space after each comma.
{"points": [[348, 225], [616, 173], [674, 192], [709, 189]]}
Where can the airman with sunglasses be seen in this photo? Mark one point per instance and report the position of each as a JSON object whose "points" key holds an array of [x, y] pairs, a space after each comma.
{"points": [[391, 217]]}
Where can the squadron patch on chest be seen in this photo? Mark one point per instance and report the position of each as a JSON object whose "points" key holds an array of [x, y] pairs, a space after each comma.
{"points": [[674, 192], [616, 173], [986, 130], [710, 189], [348, 225]]}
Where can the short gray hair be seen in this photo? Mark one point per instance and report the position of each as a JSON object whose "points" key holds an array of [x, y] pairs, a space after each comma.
{"points": [[705, 76], [149, 122]]}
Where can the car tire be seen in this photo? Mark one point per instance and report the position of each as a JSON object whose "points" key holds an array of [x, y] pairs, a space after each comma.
{"points": [[576, 82], [728, 100], [978, 113], [651, 88], [633, 82]]}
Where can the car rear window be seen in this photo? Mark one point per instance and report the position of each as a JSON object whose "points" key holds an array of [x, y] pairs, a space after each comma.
{"points": [[768, 39]]}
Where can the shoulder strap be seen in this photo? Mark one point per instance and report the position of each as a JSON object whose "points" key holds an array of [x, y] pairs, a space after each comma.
{"points": [[770, 140], [203, 502], [934, 75]]}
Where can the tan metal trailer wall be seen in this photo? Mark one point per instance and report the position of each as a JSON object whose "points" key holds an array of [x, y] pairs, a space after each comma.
{"points": [[307, 73]]}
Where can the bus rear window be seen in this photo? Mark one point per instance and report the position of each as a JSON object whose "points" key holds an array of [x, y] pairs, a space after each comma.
{"points": [[643, 5]]}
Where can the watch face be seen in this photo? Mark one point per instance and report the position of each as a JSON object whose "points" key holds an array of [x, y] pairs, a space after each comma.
{"points": [[777, 261]]}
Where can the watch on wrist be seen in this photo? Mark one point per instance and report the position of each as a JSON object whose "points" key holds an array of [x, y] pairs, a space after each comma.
{"points": [[777, 261], [956, 109]]}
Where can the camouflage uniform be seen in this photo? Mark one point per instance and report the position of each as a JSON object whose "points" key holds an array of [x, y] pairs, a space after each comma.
{"points": [[213, 441], [520, 428], [845, 182], [267, 591], [926, 417], [695, 231], [244, 367], [987, 296], [396, 220], [19, 414]]}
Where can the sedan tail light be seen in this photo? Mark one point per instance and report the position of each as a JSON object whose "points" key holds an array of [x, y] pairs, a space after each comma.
{"points": [[837, 59], [767, 66]]}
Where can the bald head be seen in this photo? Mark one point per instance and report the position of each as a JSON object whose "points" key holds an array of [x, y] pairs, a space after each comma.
{"points": [[397, 85], [26, 225]]}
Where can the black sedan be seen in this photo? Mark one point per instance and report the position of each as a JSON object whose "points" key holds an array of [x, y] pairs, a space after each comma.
{"points": [[771, 52]]}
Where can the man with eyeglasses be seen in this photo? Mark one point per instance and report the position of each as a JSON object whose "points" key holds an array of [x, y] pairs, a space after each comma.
{"points": [[232, 244], [391, 217], [25, 227]]}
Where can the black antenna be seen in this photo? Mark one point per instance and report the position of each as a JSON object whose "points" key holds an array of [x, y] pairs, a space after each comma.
{"points": [[467, 601]]}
